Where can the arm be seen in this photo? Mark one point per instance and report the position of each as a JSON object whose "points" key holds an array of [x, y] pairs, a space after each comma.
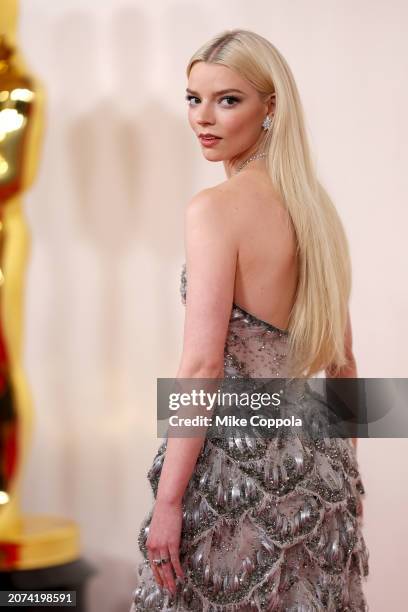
{"points": [[350, 370], [211, 255]]}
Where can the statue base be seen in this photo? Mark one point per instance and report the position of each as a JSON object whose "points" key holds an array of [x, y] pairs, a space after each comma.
{"points": [[71, 577], [39, 541]]}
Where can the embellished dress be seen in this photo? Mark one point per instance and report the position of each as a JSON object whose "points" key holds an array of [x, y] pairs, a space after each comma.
{"points": [[271, 525]]}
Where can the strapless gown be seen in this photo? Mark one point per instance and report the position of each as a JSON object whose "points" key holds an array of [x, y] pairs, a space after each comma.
{"points": [[278, 530]]}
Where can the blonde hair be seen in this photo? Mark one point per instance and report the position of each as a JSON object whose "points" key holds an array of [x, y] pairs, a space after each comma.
{"points": [[318, 317]]}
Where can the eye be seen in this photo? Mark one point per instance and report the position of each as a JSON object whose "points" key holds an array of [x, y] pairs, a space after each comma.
{"points": [[189, 98], [233, 98]]}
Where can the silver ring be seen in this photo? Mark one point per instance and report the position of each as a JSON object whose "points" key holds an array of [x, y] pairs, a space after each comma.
{"points": [[160, 561]]}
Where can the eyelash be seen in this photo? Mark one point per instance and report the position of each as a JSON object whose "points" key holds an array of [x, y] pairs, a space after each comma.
{"points": [[189, 97]]}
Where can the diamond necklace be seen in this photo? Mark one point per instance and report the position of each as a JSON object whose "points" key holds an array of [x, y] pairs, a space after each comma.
{"points": [[256, 156]]}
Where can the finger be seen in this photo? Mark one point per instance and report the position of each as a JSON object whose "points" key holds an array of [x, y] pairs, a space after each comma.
{"points": [[158, 570], [167, 569], [155, 555], [360, 508], [175, 560]]}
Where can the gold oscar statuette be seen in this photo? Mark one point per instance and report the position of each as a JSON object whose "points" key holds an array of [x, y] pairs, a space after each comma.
{"points": [[27, 541]]}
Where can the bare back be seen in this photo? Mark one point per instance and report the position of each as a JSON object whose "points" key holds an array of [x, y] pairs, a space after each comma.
{"points": [[267, 267]]}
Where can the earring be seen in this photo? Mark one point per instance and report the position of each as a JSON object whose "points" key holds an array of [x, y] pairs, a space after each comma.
{"points": [[267, 122]]}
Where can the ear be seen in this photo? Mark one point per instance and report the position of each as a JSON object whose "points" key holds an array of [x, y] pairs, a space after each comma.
{"points": [[271, 103]]}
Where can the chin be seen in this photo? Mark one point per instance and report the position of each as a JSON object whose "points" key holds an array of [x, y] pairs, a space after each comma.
{"points": [[213, 156]]}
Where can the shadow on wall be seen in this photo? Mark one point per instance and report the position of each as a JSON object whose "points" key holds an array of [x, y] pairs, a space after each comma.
{"points": [[116, 175]]}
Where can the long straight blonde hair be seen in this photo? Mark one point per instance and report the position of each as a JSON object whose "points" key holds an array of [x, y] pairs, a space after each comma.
{"points": [[318, 317]]}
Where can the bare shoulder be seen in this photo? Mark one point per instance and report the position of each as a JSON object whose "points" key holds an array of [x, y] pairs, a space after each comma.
{"points": [[213, 208], [251, 199], [225, 199], [209, 201], [238, 204]]}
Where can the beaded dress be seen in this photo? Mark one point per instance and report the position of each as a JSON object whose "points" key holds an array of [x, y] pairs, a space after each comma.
{"points": [[276, 528]]}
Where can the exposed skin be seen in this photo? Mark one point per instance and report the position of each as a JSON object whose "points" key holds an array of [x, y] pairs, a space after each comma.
{"points": [[231, 231], [235, 117]]}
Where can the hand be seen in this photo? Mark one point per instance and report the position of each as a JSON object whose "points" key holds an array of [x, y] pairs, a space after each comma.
{"points": [[163, 541]]}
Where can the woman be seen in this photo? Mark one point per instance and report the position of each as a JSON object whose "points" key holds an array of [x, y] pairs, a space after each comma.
{"points": [[268, 290]]}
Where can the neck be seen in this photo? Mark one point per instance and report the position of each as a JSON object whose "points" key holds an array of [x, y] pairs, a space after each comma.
{"points": [[255, 161]]}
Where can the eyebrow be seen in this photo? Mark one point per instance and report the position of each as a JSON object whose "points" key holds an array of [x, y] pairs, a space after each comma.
{"points": [[217, 93]]}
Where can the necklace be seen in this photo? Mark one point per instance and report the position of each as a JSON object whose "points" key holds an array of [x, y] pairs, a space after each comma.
{"points": [[256, 156]]}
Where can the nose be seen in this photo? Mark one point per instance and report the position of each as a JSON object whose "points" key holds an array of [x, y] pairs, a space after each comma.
{"points": [[205, 115]]}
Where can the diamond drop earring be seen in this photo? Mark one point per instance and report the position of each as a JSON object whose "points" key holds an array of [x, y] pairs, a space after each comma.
{"points": [[267, 122]]}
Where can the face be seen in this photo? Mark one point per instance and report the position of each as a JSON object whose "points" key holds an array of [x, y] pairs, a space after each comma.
{"points": [[222, 103]]}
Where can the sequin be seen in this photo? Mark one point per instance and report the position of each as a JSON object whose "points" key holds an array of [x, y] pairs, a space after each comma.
{"points": [[268, 524]]}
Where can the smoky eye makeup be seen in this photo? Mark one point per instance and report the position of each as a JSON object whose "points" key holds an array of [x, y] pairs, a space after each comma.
{"points": [[234, 99]]}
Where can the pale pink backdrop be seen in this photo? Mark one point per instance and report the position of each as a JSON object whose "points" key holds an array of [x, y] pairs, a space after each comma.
{"points": [[119, 164]]}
